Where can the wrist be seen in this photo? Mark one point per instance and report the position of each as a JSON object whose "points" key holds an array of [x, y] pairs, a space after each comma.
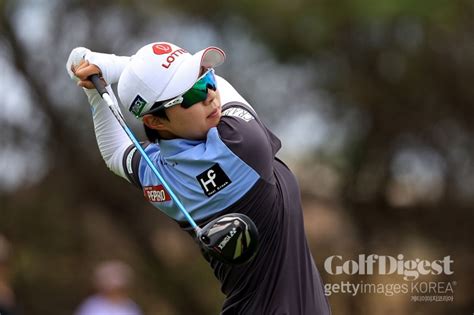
{"points": [[110, 65]]}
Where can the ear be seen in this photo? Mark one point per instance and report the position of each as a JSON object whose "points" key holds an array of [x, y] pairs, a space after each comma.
{"points": [[155, 122]]}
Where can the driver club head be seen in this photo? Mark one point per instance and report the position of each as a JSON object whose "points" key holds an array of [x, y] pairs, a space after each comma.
{"points": [[231, 238]]}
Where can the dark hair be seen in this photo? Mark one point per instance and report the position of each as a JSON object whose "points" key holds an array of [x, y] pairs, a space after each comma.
{"points": [[152, 134]]}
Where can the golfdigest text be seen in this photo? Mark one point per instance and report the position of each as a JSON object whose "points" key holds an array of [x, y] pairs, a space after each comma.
{"points": [[386, 265]]}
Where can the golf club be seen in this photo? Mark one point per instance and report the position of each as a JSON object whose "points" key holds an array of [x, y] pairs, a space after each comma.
{"points": [[231, 238]]}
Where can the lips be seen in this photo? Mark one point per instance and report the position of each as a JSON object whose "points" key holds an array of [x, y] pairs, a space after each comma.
{"points": [[213, 114]]}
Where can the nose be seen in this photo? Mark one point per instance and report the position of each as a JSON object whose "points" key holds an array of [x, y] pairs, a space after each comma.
{"points": [[211, 94]]}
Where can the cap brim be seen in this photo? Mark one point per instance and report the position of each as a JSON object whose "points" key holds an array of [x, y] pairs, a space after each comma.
{"points": [[189, 71], [211, 57]]}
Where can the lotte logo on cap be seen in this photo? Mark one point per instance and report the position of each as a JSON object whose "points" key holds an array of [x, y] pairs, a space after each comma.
{"points": [[161, 49]]}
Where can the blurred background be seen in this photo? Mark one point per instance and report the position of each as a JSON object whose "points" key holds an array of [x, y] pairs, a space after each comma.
{"points": [[373, 101]]}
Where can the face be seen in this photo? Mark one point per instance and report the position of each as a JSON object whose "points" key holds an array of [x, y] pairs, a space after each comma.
{"points": [[188, 123]]}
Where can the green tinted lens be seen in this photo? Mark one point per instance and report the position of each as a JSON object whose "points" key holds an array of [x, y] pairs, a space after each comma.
{"points": [[198, 92]]}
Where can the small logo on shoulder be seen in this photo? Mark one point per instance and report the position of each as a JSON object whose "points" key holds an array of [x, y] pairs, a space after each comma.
{"points": [[239, 113], [213, 180], [156, 193]]}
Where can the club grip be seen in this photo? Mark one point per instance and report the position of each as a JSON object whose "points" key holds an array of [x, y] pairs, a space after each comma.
{"points": [[98, 83]]}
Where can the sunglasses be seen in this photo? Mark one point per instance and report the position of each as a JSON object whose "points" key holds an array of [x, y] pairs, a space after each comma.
{"points": [[194, 95]]}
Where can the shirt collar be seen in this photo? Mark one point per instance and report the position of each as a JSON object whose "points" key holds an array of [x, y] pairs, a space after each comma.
{"points": [[170, 148]]}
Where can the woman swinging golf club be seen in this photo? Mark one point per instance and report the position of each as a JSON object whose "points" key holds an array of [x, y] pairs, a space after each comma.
{"points": [[210, 165]]}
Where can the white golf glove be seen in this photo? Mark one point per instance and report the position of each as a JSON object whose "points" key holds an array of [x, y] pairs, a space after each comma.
{"points": [[110, 65]]}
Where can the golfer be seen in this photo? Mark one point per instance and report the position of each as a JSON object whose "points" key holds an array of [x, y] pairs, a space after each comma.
{"points": [[218, 157]]}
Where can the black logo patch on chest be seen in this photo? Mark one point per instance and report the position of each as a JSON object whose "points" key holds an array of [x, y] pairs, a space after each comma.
{"points": [[213, 180]]}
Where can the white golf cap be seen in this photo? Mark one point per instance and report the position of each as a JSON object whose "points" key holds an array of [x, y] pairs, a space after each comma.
{"points": [[161, 71]]}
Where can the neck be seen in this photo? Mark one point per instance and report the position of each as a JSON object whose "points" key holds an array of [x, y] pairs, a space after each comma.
{"points": [[166, 135]]}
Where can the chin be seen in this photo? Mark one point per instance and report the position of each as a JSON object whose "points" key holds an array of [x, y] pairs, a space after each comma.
{"points": [[214, 124]]}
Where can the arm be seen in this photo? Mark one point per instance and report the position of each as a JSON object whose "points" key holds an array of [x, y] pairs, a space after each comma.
{"points": [[110, 65], [111, 139], [242, 131]]}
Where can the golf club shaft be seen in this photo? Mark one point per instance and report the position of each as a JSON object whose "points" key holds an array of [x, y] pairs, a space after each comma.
{"points": [[100, 87]]}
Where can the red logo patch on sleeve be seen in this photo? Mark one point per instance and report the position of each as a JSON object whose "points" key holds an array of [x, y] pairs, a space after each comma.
{"points": [[156, 193]]}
